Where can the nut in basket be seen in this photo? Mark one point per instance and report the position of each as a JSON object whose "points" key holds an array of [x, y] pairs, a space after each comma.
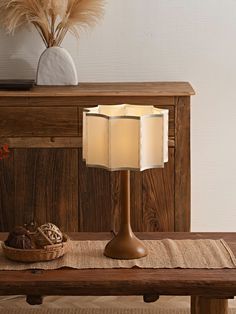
{"points": [[48, 234]]}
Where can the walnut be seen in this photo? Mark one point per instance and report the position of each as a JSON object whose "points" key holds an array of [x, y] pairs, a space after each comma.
{"points": [[20, 238]]}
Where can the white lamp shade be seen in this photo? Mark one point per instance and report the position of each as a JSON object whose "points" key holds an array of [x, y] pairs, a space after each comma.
{"points": [[130, 137]]}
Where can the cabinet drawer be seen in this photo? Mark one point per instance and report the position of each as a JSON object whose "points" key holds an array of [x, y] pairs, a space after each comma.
{"points": [[14, 101], [38, 121]]}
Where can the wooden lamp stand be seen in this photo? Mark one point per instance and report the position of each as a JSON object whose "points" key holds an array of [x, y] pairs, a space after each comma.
{"points": [[125, 245]]}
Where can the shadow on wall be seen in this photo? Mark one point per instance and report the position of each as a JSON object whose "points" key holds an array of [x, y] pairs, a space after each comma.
{"points": [[19, 54]]}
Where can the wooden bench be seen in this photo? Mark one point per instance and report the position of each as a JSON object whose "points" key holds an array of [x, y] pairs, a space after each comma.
{"points": [[209, 289]]}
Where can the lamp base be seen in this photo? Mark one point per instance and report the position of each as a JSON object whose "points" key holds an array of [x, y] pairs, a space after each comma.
{"points": [[125, 246]]}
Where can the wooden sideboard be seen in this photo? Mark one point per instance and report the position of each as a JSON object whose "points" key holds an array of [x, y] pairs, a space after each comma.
{"points": [[45, 179]]}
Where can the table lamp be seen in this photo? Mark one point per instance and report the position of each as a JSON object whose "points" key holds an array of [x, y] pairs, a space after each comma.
{"points": [[123, 138]]}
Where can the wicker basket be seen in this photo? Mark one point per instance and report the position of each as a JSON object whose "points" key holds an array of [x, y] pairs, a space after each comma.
{"points": [[48, 253]]}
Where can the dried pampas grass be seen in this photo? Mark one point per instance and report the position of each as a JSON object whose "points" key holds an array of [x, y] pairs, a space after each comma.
{"points": [[52, 18]]}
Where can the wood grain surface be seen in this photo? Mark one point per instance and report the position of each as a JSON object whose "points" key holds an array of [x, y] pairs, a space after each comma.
{"points": [[39, 185], [158, 208], [82, 101], [41, 121], [95, 207], [194, 282], [109, 89], [47, 142], [182, 165], [47, 179]]}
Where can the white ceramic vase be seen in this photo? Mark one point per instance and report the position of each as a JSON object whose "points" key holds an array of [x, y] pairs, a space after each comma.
{"points": [[56, 67]]}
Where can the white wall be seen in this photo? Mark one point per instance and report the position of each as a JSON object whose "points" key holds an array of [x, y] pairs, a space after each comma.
{"points": [[164, 40]]}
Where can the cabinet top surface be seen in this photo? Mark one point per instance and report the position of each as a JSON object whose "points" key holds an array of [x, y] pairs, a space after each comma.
{"points": [[151, 89]]}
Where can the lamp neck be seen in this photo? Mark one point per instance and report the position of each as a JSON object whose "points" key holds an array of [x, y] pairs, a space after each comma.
{"points": [[125, 200]]}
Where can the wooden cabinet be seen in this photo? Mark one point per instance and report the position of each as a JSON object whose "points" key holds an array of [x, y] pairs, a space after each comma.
{"points": [[45, 179]]}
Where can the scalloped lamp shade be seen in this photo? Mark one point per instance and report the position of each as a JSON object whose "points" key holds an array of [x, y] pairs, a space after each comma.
{"points": [[125, 137]]}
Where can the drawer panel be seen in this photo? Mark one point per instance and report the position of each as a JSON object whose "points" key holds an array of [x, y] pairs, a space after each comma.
{"points": [[38, 121], [14, 101], [53, 101], [171, 119]]}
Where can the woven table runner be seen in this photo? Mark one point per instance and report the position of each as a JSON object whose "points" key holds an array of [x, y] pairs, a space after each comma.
{"points": [[165, 253]]}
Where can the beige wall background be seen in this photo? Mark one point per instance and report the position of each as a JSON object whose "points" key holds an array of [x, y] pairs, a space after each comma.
{"points": [[165, 40]]}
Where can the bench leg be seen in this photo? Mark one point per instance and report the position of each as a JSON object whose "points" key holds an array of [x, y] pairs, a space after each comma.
{"points": [[34, 299], [150, 298], [201, 305]]}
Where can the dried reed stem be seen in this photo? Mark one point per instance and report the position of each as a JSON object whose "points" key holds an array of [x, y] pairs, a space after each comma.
{"points": [[51, 18]]}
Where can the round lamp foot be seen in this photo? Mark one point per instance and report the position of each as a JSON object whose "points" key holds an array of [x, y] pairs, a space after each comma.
{"points": [[125, 247]]}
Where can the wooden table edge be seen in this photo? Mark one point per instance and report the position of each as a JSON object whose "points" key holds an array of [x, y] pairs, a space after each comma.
{"points": [[136, 281]]}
